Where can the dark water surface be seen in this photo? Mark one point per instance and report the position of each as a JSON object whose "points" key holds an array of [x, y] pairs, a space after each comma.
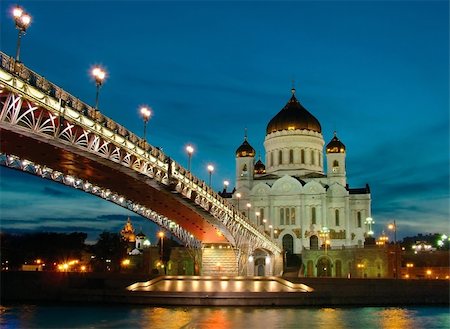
{"points": [[131, 316]]}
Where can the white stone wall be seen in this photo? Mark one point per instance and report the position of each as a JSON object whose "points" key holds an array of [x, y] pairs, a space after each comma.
{"points": [[288, 192], [297, 140]]}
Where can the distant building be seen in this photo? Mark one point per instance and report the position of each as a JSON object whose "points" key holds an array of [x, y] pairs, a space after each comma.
{"points": [[127, 233], [370, 261]]}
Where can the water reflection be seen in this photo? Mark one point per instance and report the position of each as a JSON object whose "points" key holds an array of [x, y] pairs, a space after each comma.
{"points": [[146, 317], [396, 318]]}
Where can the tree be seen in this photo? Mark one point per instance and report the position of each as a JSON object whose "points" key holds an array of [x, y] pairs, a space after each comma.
{"points": [[109, 251]]}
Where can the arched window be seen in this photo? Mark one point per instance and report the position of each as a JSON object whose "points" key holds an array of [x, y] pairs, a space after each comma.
{"points": [[358, 219], [291, 156], [288, 243], [302, 156], [313, 160], [271, 159], [313, 215], [244, 170], [281, 216], [320, 160], [335, 163], [336, 216], [314, 242], [280, 157]]}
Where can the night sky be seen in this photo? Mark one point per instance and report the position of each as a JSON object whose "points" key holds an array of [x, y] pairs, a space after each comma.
{"points": [[377, 72]]}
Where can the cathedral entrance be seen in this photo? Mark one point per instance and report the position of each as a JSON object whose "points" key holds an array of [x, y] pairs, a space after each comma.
{"points": [[323, 267]]}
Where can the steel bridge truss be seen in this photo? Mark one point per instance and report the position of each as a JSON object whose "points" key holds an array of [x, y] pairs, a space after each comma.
{"points": [[33, 106]]}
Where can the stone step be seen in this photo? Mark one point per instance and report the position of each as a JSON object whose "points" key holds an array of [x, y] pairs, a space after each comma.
{"points": [[217, 262]]}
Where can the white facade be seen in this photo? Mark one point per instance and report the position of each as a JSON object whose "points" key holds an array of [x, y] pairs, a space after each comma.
{"points": [[294, 200]]}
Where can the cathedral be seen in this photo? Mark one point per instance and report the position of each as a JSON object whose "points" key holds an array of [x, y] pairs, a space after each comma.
{"points": [[298, 201]]}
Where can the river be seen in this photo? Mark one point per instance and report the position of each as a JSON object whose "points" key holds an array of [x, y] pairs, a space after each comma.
{"points": [[131, 316]]}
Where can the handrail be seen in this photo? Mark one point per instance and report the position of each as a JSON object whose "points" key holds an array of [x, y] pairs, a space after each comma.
{"points": [[37, 81]]}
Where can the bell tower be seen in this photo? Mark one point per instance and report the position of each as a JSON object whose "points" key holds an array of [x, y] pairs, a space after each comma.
{"points": [[245, 161], [336, 161]]}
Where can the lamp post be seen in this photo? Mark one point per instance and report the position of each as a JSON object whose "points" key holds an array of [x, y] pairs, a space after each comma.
{"points": [[145, 113], [257, 213], [225, 185], [161, 236], [22, 20], [369, 222], [324, 235], [210, 170], [99, 75], [249, 205], [238, 197], [189, 150], [393, 227]]}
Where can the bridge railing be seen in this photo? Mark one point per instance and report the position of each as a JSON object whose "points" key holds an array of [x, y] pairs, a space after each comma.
{"points": [[36, 80]]}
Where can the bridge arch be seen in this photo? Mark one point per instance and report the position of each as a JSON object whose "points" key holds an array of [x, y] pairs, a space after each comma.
{"points": [[46, 119], [45, 172]]}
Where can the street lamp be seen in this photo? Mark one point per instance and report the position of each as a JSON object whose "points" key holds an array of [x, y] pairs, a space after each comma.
{"points": [[225, 185], [369, 222], [257, 213], [210, 170], [238, 197], [393, 227], [22, 20], [99, 75], [189, 150], [161, 236], [145, 113], [249, 205]]}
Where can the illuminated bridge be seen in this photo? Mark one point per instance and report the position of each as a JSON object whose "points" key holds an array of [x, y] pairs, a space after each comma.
{"points": [[50, 133]]}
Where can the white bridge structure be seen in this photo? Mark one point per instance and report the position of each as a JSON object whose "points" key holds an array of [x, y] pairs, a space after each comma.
{"points": [[47, 132]]}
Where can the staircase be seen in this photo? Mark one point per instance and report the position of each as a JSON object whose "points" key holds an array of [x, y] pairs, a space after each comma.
{"points": [[219, 262]]}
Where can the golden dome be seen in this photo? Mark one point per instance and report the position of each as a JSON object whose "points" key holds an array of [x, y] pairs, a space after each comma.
{"points": [[245, 150], [293, 116], [259, 168], [335, 145]]}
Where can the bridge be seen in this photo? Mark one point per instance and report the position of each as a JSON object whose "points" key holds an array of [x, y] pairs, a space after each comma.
{"points": [[47, 132]]}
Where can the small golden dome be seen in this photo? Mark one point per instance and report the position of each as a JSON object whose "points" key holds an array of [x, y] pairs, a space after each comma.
{"points": [[259, 168], [245, 150], [335, 145]]}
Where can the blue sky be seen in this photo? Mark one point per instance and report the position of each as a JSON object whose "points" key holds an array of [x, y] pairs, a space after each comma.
{"points": [[375, 71]]}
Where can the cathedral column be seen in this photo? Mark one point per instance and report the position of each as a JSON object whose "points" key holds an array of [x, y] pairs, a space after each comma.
{"points": [[304, 221], [323, 214], [348, 218]]}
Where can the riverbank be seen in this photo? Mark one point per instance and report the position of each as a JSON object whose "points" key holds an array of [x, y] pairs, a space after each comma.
{"points": [[112, 288]]}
